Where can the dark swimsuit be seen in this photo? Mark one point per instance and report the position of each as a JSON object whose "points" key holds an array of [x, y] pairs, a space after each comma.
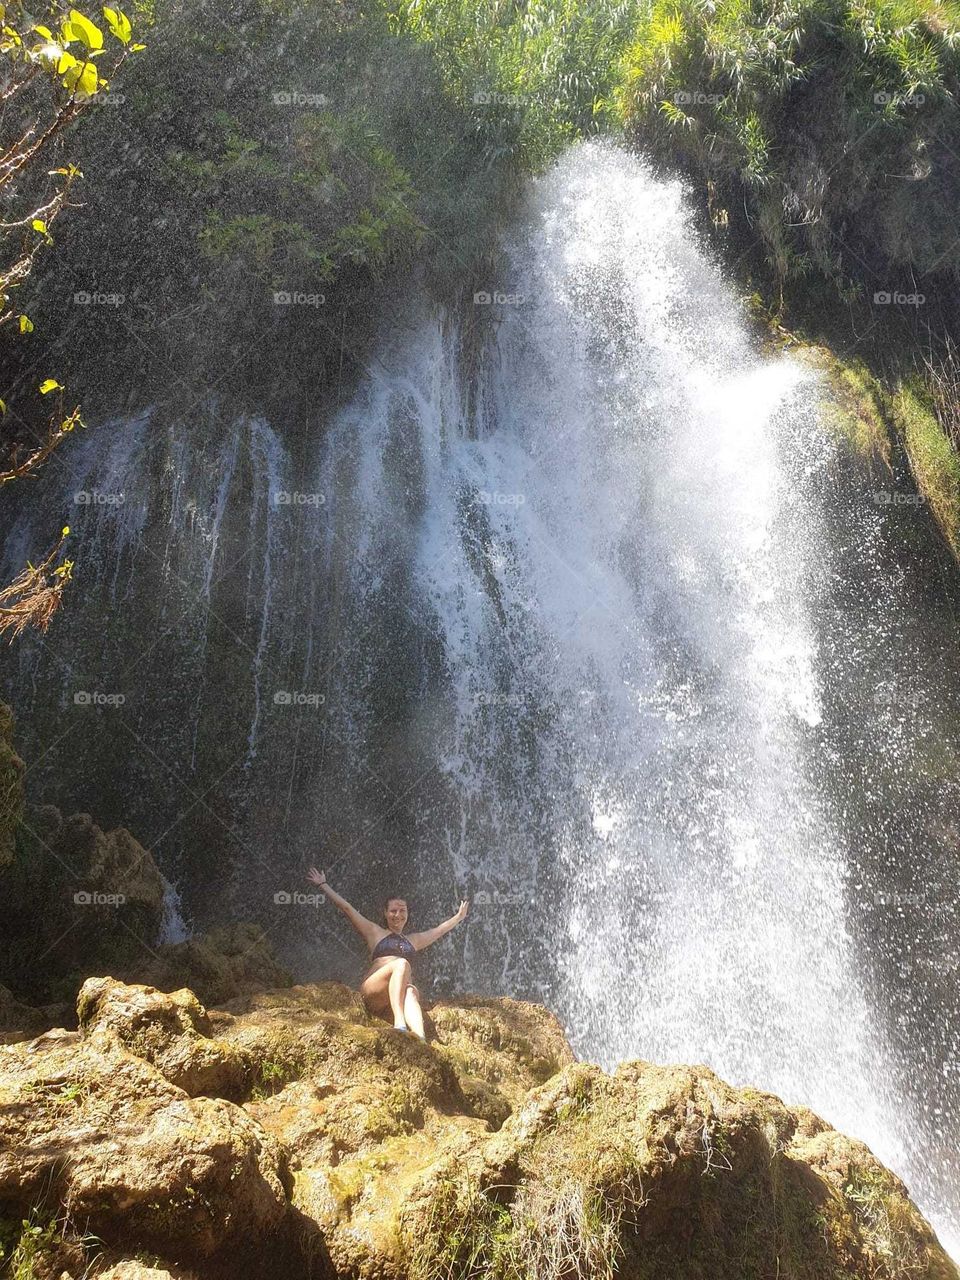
{"points": [[394, 944]]}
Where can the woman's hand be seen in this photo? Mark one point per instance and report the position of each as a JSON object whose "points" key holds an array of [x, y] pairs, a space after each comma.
{"points": [[462, 913], [317, 877]]}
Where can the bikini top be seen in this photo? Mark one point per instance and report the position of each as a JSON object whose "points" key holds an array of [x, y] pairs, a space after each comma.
{"points": [[394, 944]]}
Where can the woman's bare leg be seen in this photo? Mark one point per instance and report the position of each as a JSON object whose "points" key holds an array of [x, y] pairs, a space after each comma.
{"points": [[413, 1013], [399, 983], [375, 989]]}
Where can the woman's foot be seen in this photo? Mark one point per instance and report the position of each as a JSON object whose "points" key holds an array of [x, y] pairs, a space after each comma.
{"points": [[400, 1026]]}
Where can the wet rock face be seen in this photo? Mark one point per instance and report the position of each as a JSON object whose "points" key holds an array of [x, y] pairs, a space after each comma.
{"points": [[288, 1133], [12, 772]]}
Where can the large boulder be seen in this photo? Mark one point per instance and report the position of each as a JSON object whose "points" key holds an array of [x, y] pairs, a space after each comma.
{"points": [[83, 900], [171, 1031], [98, 1133], [665, 1172], [360, 1152]]}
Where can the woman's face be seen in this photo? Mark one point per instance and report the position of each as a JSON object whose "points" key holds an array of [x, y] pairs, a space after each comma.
{"points": [[396, 914]]}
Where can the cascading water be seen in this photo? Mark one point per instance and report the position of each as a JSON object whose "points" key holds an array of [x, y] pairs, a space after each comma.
{"points": [[566, 613]]}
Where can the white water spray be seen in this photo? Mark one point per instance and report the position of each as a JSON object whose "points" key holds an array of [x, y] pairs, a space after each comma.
{"points": [[614, 543]]}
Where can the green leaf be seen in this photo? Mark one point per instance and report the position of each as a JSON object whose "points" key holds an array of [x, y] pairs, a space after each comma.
{"points": [[26, 324], [50, 384], [119, 24], [82, 78], [3, 406], [85, 31]]}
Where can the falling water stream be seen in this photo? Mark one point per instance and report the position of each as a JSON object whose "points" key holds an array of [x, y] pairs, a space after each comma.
{"points": [[569, 612]]}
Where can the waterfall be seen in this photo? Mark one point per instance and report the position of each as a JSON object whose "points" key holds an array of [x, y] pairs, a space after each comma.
{"points": [[574, 610]]}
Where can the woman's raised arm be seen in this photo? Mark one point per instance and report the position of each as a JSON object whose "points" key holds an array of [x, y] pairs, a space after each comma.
{"points": [[367, 930], [421, 940]]}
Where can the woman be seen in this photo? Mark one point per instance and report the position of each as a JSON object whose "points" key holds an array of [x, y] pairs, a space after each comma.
{"points": [[387, 986]]}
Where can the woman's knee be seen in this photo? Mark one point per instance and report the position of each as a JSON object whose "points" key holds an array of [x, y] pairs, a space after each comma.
{"points": [[401, 966]]}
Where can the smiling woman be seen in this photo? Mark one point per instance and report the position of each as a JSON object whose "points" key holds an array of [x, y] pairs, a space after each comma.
{"points": [[387, 987]]}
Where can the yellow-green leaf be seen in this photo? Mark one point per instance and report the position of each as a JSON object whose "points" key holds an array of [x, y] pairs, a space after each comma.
{"points": [[91, 36], [66, 530], [26, 324], [43, 31], [119, 24], [82, 79], [50, 384], [39, 225], [3, 406], [67, 60]]}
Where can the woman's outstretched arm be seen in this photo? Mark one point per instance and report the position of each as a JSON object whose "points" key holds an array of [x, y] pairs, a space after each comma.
{"points": [[367, 930], [421, 940]]}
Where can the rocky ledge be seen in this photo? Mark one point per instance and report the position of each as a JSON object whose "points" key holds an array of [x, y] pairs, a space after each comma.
{"points": [[289, 1135]]}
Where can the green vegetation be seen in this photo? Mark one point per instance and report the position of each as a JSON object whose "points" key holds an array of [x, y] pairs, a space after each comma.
{"points": [[823, 137], [255, 223], [828, 127], [50, 77]]}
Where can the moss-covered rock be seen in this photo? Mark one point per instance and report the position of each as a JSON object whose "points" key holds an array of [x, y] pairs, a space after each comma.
{"points": [[171, 1031], [360, 1152], [221, 965]]}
